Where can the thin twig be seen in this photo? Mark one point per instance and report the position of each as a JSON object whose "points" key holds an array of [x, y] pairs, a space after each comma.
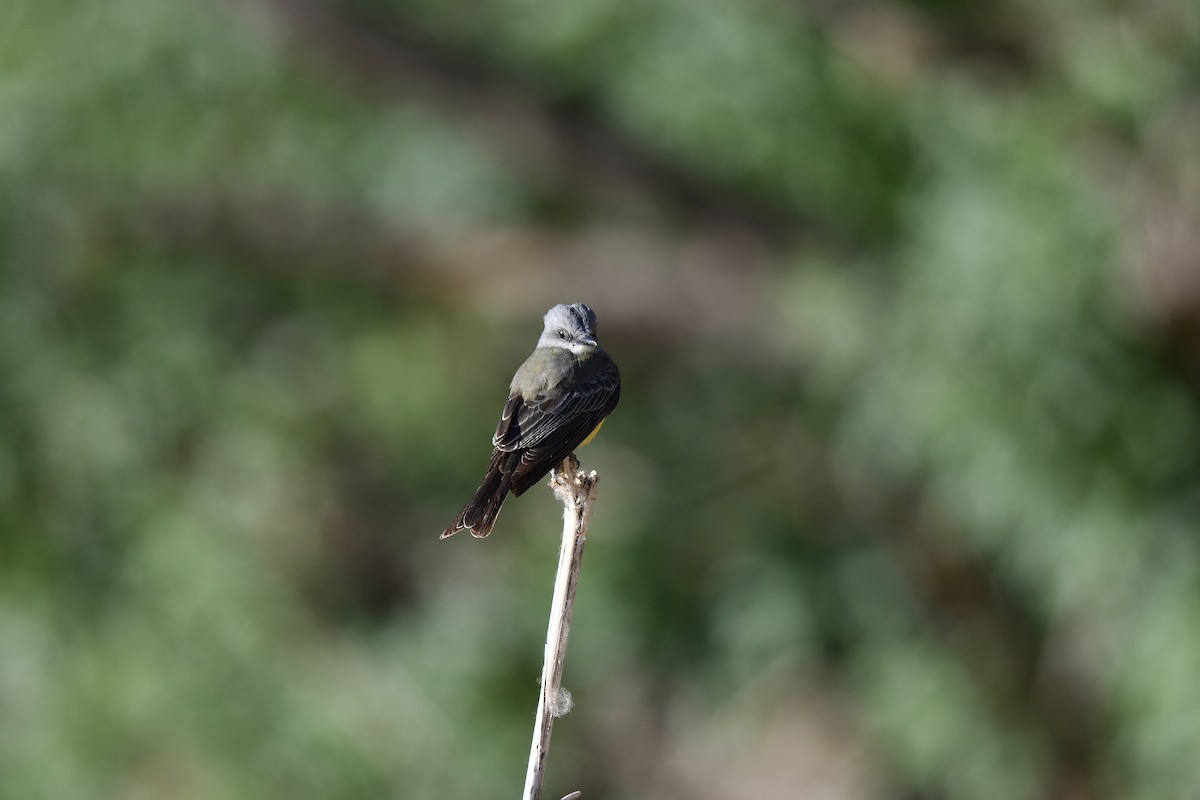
{"points": [[577, 491]]}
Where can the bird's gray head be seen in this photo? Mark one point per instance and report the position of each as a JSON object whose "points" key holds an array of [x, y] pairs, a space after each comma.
{"points": [[570, 326]]}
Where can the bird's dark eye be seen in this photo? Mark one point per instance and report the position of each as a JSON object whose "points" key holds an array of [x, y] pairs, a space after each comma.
{"points": [[562, 334]]}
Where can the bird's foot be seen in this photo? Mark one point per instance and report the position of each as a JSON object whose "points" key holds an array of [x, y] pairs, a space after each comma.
{"points": [[570, 482]]}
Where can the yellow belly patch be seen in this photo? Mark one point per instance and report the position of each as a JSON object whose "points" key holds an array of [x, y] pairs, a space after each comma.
{"points": [[592, 435]]}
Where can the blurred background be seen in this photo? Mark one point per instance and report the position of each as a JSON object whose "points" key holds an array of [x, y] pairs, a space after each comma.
{"points": [[901, 499]]}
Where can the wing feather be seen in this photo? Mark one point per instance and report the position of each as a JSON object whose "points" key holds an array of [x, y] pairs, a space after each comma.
{"points": [[507, 431], [542, 418], [541, 431]]}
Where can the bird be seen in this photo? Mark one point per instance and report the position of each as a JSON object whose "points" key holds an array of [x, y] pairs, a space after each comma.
{"points": [[557, 401]]}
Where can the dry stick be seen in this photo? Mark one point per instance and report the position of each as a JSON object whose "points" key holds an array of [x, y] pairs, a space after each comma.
{"points": [[577, 491]]}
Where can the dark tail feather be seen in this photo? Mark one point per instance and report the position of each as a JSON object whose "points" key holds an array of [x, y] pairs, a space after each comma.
{"points": [[479, 515]]}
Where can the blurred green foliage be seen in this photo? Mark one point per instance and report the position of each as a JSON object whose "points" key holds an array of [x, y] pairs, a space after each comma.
{"points": [[901, 497]]}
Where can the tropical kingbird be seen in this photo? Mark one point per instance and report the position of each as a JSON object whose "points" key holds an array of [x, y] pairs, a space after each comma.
{"points": [[557, 401]]}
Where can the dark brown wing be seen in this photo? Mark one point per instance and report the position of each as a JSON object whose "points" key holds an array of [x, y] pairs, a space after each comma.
{"points": [[541, 419], [534, 436], [545, 430], [507, 430]]}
